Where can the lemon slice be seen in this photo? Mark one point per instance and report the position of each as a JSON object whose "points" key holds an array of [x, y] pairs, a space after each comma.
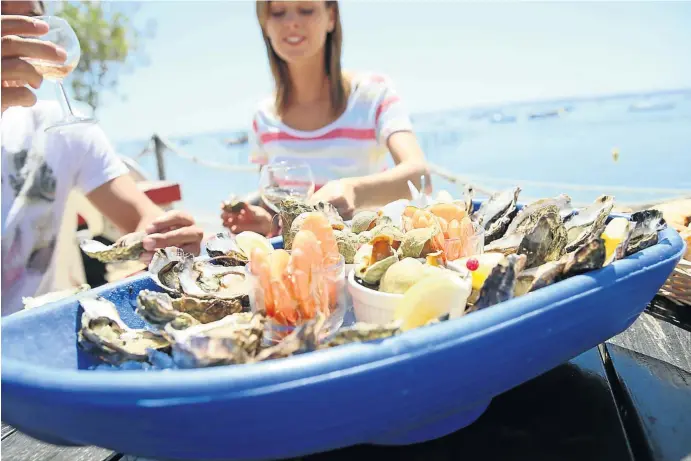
{"points": [[430, 298], [248, 241], [613, 235], [486, 261]]}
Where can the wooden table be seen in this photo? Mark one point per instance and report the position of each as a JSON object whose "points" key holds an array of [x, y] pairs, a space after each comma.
{"points": [[628, 399]]}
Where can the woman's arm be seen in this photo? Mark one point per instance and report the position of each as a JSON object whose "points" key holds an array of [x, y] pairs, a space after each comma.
{"points": [[381, 188]]}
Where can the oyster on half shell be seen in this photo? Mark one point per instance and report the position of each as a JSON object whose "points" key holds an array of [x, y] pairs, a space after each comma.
{"points": [[178, 273], [127, 248], [159, 308], [104, 334], [589, 222], [495, 214], [225, 248], [234, 339]]}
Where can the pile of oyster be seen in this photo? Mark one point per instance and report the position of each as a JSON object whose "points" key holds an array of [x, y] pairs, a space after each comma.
{"points": [[201, 316]]}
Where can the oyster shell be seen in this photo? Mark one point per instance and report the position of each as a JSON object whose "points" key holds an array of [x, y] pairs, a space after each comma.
{"points": [[165, 268], [224, 247], [530, 214], [178, 273], [232, 340], [361, 332], [589, 257], [347, 244], [290, 209], [647, 224], [363, 221], [500, 284], [496, 213], [417, 243], [371, 268], [160, 308], [233, 205], [588, 223], [546, 241], [104, 334], [304, 338], [538, 277], [127, 248]]}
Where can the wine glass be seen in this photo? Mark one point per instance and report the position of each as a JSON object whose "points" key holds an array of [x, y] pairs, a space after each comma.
{"points": [[62, 34], [281, 180]]}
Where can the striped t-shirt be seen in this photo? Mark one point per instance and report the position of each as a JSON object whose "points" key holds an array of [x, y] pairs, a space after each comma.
{"points": [[355, 144]]}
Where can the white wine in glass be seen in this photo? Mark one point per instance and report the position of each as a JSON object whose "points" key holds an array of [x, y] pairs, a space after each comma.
{"points": [[278, 181], [62, 34]]}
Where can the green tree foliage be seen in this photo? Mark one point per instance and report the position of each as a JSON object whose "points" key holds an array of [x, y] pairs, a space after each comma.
{"points": [[107, 38]]}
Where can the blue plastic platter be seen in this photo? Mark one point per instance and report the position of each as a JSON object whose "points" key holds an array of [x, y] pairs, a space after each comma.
{"points": [[413, 387]]}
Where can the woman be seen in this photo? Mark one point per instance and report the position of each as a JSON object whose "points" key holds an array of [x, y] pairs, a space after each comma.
{"points": [[342, 125]]}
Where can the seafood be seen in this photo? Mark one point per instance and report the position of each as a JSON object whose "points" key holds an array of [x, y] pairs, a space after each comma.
{"points": [[233, 205], [361, 332], [292, 287], [588, 257], [31, 302], [401, 275], [496, 213], [223, 244], [304, 338], [546, 241], [290, 210], [500, 284], [104, 334], [647, 224], [365, 220], [178, 273], [233, 339], [160, 308], [529, 215], [127, 248], [347, 244], [373, 266], [418, 243], [538, 277], [588, 223]]}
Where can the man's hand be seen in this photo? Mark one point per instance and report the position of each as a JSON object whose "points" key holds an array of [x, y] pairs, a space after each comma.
{"points": [[16, 71], [173, 228]]}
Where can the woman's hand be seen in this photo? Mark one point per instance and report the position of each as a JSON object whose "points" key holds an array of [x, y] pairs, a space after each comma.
{"points": [[249, 218], [341, 194], [173, 228]]}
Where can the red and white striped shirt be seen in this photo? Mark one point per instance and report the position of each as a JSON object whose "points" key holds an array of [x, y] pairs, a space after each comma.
{"points": [[355, 144]]}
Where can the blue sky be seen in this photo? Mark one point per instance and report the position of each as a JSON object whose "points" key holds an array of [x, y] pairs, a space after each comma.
{"points": [[208, 65]]}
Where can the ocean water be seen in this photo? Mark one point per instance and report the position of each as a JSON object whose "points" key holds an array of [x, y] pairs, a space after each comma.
{"points": [[546, 148]]}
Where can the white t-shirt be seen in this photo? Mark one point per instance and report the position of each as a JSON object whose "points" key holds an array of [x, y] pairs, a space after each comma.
{"points": [[353, 145], [39, 170]]}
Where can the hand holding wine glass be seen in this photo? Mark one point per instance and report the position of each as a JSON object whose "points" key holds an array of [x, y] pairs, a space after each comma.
{"points": [[19, 46], [62, 35], [281, 180]]}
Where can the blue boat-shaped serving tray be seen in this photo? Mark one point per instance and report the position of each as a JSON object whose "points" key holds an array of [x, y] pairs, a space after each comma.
{"points": [[414, 387]]}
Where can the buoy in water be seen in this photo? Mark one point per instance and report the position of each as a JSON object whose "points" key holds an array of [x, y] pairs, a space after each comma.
{"points": [[615, 154]]}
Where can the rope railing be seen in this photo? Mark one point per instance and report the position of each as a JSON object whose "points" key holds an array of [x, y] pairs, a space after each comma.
{"points": [[460, 181]]}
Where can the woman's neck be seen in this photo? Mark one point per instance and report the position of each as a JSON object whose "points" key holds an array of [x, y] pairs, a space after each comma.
{"points": [[308, 82]]}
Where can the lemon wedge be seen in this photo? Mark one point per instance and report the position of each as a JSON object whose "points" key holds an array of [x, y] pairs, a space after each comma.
{"points": [[430, 298], [614, 234], [247, 241], [486, 261]]}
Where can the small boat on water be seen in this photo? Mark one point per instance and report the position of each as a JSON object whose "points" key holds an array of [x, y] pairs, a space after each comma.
{"points": [[648, 106]]}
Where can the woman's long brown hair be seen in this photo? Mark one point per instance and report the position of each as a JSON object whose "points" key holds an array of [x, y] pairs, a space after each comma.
{"points": [[339, 88]]}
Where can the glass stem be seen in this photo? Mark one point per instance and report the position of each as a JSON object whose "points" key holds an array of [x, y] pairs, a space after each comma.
{"points": [[64, 101]]}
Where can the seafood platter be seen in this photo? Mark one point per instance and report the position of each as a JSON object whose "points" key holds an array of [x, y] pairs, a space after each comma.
{"points": [[393, 328]]}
